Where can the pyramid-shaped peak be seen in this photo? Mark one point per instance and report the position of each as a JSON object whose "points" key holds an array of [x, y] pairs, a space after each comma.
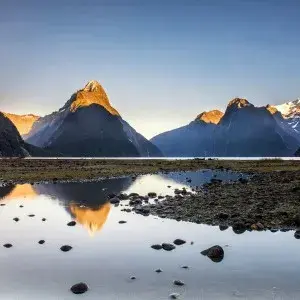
{"points": [[93, 86], [239, 103]]}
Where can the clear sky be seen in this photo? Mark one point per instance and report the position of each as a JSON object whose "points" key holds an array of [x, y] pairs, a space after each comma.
{"points": [[161, 62]]}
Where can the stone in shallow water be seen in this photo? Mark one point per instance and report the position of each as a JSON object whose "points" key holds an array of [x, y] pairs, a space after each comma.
{"points": [[114, 200], [174, 296], [41, 242], [31, 216], [7, 245], [72, 223], [16, 219], [44, 219], [2, 204], [21, 206], [179, 242], [66, 248], [185, 267], [168, 247], [297, 234], [79, 288], [156, 247], [178, 282], [215, 253], [158, 270], [133, 278], [122, 222]]}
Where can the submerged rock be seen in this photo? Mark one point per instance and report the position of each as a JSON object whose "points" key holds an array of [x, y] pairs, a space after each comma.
{"points": [[179, 242], [215, 253], [7, 245], [168, 247], [66, 248], [174, 296], [79, 288]]}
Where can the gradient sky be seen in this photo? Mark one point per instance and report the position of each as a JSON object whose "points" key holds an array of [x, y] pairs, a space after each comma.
{"points": [[161, 62]]}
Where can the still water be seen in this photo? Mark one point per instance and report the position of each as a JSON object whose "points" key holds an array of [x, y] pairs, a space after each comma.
{"points": [[105, 254]]}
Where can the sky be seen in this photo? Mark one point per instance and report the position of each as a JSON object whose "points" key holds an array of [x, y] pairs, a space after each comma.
{"points": [[161, 62]]}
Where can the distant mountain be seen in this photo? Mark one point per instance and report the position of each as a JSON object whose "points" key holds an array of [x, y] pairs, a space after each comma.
{"points": [[22, 122], [11, 142], [87, 125], [194, 139], [244, 130]]}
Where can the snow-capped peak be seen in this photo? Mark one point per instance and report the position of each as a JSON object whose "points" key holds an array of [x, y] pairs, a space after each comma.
{"points": [[290, 109]]}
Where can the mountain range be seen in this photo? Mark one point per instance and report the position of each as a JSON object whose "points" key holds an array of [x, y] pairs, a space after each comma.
{"points": [[87, 125], [243, 130]]}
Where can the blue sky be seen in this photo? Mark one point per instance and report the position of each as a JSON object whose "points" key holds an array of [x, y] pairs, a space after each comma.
{"points": [[161, 62]]}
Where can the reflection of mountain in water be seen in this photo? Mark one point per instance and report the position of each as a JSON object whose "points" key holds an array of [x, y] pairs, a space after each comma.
{"points": [[92, 219], [17, 191]]}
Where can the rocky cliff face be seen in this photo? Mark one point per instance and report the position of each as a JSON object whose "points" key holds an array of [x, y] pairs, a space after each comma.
{"points": [[244, 130], [87, 125], [22, 122]]}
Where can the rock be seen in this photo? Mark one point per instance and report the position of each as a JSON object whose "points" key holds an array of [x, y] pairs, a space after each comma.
{"points": [[156, 247], [152, 195], [169, 186], [112, 195], [21, 206], [114, 200], [66, 248], [134, 195], [179, 242], [238, 228], [223, 215], [168, 247], [174, 296], [2, 204], [133, 278], [72, 223], [178, 282], [16, 219], [123, 196], [44, 219], [215, 253], [31, 216], [297, 234], [185, 267], [142, 210], [243, 180], [192, 243], [79, 288], [41, 242], [158, 270], [260, 226], [223, 227], [122, 222], [7, 245]]}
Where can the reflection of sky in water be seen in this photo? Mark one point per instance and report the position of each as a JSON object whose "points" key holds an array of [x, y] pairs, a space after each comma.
{"points": [[257, 265]]}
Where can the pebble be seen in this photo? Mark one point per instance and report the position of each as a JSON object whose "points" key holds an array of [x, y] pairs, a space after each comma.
{"points": [[79, 288], [66, 248], [72, 223], [133, 278], [31, 215], [178, 282], [2, 204], [41, 242], [168, 247], [174, 296], [21, 206], [158, 270], [185, 267], [44, 219], [7, 245], [156, 247], [16, 219], [179, 242], [122, 222]]}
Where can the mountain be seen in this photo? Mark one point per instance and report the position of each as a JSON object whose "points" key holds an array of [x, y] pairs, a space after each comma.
{"points": [[244, 130], [290, 117], [194, 139], [22, 122], [87, 125], [11, 142]]}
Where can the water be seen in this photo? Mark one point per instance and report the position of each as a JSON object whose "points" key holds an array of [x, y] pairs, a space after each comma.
{"points": [[105, 254]]}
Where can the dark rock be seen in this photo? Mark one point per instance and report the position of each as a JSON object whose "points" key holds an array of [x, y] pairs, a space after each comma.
{"points": [[179, 242], [31, 216], [79, 288], [133, 278], [158, 270], [21, 206], [134, 195], [112, 195], [156, 247], [223, 227], [44, 219], [145, 211], [7, 245], [243, 180], [185, 267], [72, 223], [122, 222], [123, 196], [168, 247], [174, 296], [66, 248], [41, 242], [239, 228], [2, 204], [297, 235], [114, 200], [16, 219], [152, 195], [178, 282], [215, 253], [223, 215]]}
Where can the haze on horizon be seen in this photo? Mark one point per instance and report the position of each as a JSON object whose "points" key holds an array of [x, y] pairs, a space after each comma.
{"points": [[160, 62]]}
